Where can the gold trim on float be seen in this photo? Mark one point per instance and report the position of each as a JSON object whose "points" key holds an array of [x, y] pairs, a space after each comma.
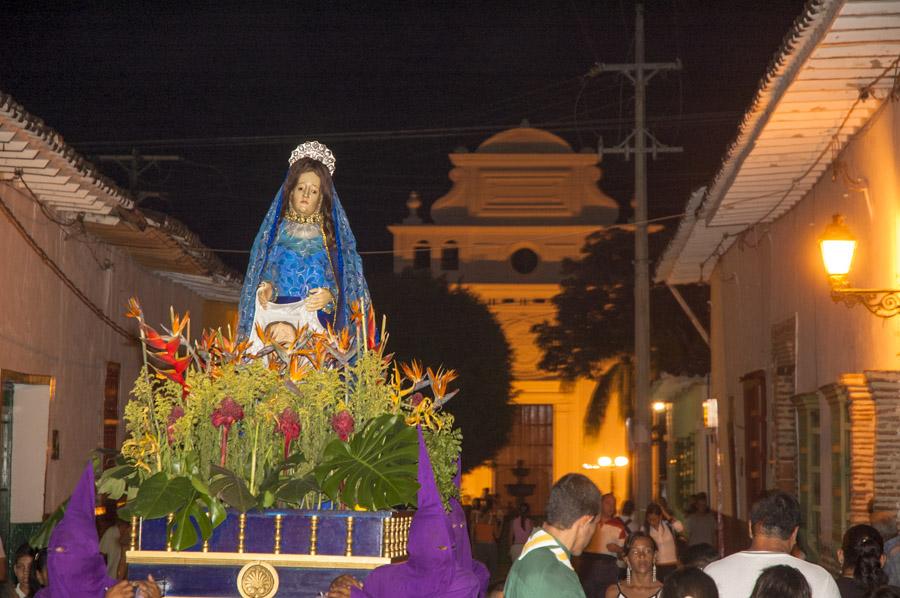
{"points": [[306, 561]]}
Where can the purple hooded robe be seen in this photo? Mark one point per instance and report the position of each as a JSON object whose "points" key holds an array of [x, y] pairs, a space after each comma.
{"points": [[432, 568], [74, 562], [461, 546]]}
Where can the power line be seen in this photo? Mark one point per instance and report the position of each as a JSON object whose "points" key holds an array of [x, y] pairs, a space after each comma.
{"points": [[394, 135], [54, 267]]}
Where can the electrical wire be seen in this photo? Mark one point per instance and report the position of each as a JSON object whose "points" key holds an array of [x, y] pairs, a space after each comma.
{"points": [[54, 267]]}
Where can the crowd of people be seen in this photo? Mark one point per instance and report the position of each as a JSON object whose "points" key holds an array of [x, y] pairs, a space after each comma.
{"points": [[584, 548]]}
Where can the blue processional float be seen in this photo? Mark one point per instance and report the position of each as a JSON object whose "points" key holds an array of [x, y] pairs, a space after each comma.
{"points": [[295, 450]]}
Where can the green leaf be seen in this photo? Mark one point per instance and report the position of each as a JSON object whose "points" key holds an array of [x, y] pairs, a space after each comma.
{"points": [[292, 491], [160, 495], [115, 481], [41, 538], [376, 469], [201, 516], [230, 489], [274, 478], [182, 532], [217, 513]]}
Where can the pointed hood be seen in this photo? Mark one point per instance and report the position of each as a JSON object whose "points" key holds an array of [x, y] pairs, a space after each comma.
{"points": [[462, 549], [431, 569], [76, 567]]}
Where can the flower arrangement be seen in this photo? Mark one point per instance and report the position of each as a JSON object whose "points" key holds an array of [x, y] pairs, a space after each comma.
{"points": [[323, 419]]}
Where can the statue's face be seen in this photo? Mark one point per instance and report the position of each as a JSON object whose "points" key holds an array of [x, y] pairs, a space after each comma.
{"points": [[307, 195]]}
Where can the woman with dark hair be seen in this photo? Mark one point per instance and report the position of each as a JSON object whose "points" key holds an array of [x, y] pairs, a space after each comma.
{"points": [[689, 582], [781, 581], [304, 269], [861, 557], [37, 574], [664, 529], [640, 578]]}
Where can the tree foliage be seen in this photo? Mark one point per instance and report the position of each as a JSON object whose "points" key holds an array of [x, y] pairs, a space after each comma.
{"points": [[438, 325], [595, 314]]}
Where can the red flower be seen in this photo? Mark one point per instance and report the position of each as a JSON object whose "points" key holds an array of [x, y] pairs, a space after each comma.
{"points": [[416, 399], [342, 423], [223, 417], [227, 413], [176, 414], [288, 423]]}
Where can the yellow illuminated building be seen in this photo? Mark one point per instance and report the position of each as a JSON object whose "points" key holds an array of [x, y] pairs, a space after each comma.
{"points": [[521, 203]]}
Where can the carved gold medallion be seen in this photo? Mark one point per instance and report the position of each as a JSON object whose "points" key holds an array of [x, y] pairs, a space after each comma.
{"points": [[257, 580]]}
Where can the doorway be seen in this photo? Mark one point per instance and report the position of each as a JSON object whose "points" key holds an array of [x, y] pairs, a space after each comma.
{"points": [[24, 441], [755, 426]]}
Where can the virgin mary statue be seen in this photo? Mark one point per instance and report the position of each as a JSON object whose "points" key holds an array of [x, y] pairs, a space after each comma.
{"points": [[304, 269]]}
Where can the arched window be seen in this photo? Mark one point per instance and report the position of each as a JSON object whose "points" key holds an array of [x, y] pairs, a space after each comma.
{"points": [[422, 256], [450, 256]]}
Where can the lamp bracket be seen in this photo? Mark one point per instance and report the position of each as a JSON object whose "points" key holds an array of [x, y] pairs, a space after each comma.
{"points": [[884, 303]]}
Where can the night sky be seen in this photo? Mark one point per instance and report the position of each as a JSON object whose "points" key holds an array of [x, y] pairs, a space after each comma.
{"points": [[231, 89]]}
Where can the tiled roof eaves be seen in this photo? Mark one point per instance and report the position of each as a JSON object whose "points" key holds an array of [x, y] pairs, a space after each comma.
{"points": [[54, 140], [801, 40]]}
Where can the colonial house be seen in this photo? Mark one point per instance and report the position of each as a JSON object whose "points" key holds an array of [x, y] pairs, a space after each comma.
{"points": [[73, 249], [521, 203], [805, 366]]}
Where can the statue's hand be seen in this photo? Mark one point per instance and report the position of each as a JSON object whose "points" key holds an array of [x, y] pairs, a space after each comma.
{"points": [[318, 299], [264, 294]]}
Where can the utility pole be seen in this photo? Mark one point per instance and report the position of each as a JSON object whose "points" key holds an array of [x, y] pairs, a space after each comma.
{"points": [[135, 164], [640, 73]]}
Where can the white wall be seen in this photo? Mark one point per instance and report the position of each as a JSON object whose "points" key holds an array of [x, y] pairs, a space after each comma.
{"points": [[776, 271]]}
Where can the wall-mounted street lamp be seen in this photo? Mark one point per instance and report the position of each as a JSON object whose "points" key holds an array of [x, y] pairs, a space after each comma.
{"points": [[838, 245]]}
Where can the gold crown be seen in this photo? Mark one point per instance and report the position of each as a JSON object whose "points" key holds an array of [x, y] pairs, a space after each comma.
{"points": [[315, 151]]}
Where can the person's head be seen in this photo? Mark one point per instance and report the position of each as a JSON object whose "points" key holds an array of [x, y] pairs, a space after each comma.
{"points": [[689, 582], [640, 552], [781, 581], [37, 576], [495, 590], [628, 508], [282, 333], [776, 515], [309, 189], [886, 524], [608, 505], [701, 503], [573, 507], [22, 564], [700, 555], [862, 555], [653, 515]]}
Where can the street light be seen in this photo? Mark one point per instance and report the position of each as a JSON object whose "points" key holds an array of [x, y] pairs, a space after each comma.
{"points": [[837, 245], [610, 463]]}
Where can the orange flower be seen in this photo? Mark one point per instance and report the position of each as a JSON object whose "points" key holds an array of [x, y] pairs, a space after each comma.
{"points": [[179, 322], [413, 371], [296, 371], [441, 380], [356, 314], [134, 309]]}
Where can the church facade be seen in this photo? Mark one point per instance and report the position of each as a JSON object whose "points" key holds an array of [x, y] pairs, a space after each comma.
{"points": [[522, 202]]}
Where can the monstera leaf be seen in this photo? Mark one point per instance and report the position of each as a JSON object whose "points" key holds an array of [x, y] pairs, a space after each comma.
{"points": [[230, 489], [375, 469]]}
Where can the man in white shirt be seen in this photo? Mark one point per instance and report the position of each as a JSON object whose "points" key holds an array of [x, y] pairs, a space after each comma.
{"points": [[774, 522]]}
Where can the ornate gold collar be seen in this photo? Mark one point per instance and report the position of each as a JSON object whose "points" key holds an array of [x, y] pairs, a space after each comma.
{"points": [[301, 219]]}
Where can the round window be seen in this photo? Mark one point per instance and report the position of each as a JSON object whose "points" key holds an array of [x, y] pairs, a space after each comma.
{"points": [[524, 261]]}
